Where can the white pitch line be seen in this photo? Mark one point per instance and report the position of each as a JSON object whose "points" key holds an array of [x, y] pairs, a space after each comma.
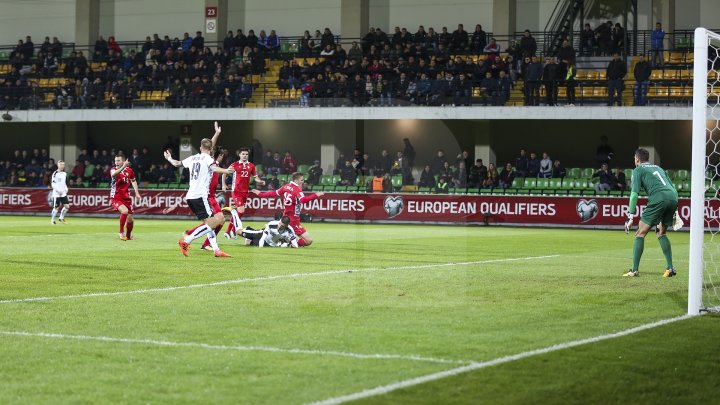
{"points": [[374, 356], [266, 278], [500, 360]]}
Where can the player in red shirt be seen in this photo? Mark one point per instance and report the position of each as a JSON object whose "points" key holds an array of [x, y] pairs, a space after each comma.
{"points": [[121, 177], [293, 199], [244, 170]]}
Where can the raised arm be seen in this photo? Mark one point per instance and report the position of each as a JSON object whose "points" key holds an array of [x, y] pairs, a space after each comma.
{"points": [[311, 197], [114, 173], [271, 193], [218, 169], [216, 135], [169, 158]]}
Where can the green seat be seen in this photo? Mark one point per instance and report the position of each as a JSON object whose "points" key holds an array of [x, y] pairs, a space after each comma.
{"points": [[424, 190], [283, 178], [556, 186], [4, 56], [518, 182], [567, 183], [258, 168], [616, 193], [574, 173], [303, 168], [103, 185], [681, 175], [542, 183], [628, 174], [326, 180], [670, 174], [587, 172], [396, 180], [530, 183]]}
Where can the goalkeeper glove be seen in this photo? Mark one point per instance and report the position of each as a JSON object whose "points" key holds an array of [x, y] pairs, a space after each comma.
{"points": [[677, 221], [629, 222]]}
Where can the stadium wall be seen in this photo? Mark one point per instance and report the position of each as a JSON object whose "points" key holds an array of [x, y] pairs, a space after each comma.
{"points": [[573, 142]]}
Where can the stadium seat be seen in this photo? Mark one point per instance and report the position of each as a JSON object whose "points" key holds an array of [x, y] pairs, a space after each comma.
{"points": [[396, 181], [555, 186], [530, 183], [518, 182], [670, 174], [326, 180], [628, 174], [681, 175], [574, 173], [587, 172], [303, 168]]}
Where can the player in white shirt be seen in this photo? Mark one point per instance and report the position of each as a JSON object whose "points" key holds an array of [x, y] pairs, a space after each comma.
{"points": [[59, 193], [201, 167], [275, 233]]}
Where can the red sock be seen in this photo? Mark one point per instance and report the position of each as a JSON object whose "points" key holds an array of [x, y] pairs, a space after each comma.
{"points": [[301, 242], [129, 228], [123, 218]]}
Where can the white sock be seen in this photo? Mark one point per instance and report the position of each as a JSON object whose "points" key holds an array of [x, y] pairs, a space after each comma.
{"points": [[200, 231], [53, 213], [213, 240], [236, 220], [63, 212]]}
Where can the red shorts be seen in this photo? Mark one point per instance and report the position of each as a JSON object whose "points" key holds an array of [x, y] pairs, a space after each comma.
{"points": [[214, 205], [238, 200], [297, 227], [116, 203]]}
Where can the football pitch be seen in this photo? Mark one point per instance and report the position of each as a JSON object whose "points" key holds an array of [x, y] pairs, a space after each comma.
{"points": [[369, 313]]}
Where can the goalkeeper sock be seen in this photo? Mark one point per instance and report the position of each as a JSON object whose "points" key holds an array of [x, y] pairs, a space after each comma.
{"points": [[638, 247], [667, 250]]}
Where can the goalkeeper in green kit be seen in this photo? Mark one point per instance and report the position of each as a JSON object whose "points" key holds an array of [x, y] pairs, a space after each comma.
{"points": [[661, 209]]}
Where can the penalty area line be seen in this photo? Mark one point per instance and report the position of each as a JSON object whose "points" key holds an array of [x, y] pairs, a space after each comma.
{"points": [[270, 349], [269, 278], [382, 390]]}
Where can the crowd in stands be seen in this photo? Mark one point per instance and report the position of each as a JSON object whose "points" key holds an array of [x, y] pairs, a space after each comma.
{"points": [[400, 68]]}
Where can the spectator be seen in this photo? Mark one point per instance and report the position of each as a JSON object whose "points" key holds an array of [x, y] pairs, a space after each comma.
{"points": [[587, 40], [459, 39], [604, 152], [620, 181], [273, 182], [657, 46], [532, 76], [528, 45], [462, 90], [289, 164], [442, 186], [618, 38], [348, 175], [384, 162], [493, 47], [438, 162], [460, 175], [570, 83], [558, 170], [616, 71], [546, 166], [606, 180], [314, 174], [478, 173], [521, 164], [566, 54], [167, 174], [533, 165], [479, 40], [550, 78], [642, 74], [489, 89], [426, 178], [507, 176], [504, 88], [387, 183]]}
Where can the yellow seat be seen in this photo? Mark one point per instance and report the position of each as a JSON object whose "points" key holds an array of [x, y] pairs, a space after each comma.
{"points": [[587, 91], [581, 74], [602, 75], [688, 91], [157, 95], [599, 91], [676, 57], [656, 75], [669, 74], [591, 75], [662, 91], [676, 91]]}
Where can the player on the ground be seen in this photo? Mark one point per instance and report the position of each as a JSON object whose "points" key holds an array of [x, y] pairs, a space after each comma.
{"points": [[275, 233], [59, 193], [244, 170], [212, 188], [293, 198], [660, 210], [201, 166], [121, 177]]}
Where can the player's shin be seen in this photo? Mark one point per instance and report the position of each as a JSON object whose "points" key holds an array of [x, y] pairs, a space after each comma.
{"points": [[212, 237], [237, 223], [198, 232], [63, 212], [129, 228], [638, 247], [123, 219], [667, 250], [53, 213]]}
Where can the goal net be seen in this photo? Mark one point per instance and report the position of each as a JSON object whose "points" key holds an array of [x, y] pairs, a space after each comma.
{"points": [[704, 286]]}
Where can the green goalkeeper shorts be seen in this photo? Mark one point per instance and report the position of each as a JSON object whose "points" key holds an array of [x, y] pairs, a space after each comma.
{"points": [[659, 213]]}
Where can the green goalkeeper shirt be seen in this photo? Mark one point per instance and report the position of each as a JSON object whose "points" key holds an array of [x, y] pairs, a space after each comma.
{"points": [[654, 181]]}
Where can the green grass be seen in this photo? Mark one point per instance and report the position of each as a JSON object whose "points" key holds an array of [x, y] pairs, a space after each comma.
{"points": [[405, 302]]}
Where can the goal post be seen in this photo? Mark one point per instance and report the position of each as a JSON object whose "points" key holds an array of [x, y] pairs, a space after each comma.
{"points": [[702, 291]]}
